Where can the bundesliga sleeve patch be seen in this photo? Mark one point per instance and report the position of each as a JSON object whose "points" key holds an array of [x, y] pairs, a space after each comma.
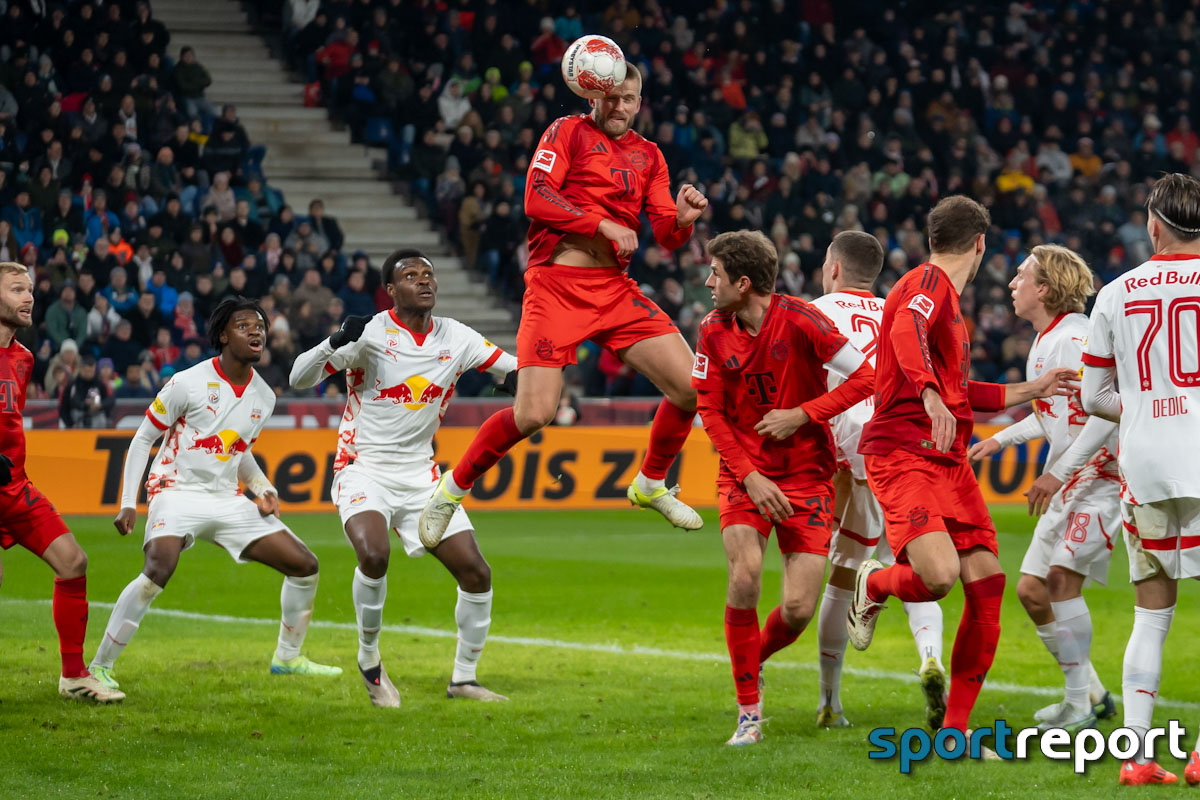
{"points": [[923, 304], [158, 407], [544, 160], [700, 367]]}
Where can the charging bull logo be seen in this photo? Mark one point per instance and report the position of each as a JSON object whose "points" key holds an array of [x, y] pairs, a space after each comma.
{"points": [[415, 393], [1044, 408], [223, 445]]}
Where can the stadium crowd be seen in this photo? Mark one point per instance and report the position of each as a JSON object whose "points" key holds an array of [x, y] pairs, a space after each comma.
{"points": [[798, 118], [139, 204]]}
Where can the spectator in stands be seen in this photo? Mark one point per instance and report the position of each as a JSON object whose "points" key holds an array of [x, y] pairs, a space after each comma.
{"points": [[145, 318], [264, 201], [221, 197], [164, 350], [186, 324], [118, 292], [313, 293], [122, 348], [191, 79], [102, 319], [325, 226], [135, 384], [87, 402], [66, 319], [25, 219], [99, 219]]}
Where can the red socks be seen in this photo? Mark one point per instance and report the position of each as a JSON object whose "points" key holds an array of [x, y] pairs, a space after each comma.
{"points": [[741, 635], [775, 635], [900, 581], [974, 647], [496, 435], [667, 435], [70, 610]]}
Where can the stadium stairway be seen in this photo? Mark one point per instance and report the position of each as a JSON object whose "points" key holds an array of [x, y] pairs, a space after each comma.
{"points": [[307, 158]]}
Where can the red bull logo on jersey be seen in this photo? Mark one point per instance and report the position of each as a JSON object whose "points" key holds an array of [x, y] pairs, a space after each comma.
{"points": [[414, 393], [224, 445], [443, 356], [1044, 408]]}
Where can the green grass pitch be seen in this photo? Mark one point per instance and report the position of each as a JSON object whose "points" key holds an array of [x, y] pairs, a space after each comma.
{"points": [[626, 693]]}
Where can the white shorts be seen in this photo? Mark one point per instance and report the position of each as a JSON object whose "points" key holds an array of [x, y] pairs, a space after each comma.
{"points": [[1163, 536], [858, 524], [1078, 537], [399, 498], [233, 523]]}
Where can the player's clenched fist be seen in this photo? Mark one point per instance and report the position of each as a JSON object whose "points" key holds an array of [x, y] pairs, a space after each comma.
{"points": [[689, 205], [125, 521], [351, 330], [624, 239]]}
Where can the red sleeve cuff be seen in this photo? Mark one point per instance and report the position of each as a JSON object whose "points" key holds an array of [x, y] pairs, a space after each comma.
{"points": [[330, 369], [154, 420], [485, 366], [985, 396], [1090, 360]]}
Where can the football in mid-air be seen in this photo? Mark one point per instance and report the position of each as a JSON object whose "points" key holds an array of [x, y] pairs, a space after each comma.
{"points": [[592, 66]]}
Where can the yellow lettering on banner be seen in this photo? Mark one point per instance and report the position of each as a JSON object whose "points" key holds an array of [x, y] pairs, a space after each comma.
{"points": [[558, 468]]}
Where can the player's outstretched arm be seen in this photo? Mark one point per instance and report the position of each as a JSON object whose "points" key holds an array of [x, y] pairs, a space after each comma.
{"points": [[1099, 395], [1058, 382], [136, 458], [671, 218], [1018, 432], [330, 356]]}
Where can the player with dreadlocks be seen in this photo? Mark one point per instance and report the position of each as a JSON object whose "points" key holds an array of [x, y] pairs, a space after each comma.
{"points": [[210, 416]]}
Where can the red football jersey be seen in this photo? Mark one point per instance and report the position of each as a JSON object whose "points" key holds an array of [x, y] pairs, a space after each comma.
{"points": [[580, 176], [923, 343], [741, 377], [16, 367]]}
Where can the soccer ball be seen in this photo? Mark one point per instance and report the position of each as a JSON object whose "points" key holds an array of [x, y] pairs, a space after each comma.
{"points": [[592, 66]]}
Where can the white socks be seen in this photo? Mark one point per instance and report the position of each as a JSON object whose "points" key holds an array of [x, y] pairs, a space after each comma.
{"points": [[1074, 628], [925, 622], [296, 600], [369, 594], [831, 643], [453, 488], [473, 615], [648, 485], [1048, 633], [127, 614], [1142, 668]]}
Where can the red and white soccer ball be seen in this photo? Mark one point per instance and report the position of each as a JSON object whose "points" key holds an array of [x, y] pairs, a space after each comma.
{"points": [[592, 66]]}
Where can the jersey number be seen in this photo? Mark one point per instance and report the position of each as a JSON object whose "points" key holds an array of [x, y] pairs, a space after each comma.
{"points": [[864, 324], [1177, 335], [1077, 525]]}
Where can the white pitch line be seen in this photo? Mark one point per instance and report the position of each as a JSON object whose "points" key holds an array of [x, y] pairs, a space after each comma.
{"points": [[596, 647]]}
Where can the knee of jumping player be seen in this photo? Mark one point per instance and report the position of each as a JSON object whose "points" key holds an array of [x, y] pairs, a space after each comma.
{"points": [[940, 577], [535, 414], [683, 398], [797, 612], [477, 578]]}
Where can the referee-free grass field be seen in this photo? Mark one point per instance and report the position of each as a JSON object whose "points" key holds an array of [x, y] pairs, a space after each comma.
{"points": [[607, 635]]}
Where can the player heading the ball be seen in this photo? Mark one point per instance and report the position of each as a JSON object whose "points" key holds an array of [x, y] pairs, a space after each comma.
{"points": [[209, 416], [589, 180]]}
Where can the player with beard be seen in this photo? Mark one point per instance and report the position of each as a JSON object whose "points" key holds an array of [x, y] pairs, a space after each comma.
{"points": [[210, 416], [588, 183], [915, 449], [27, 518], [401, 368]]}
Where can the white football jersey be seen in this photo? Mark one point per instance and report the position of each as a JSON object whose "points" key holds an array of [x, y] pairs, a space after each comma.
{"points": [[208, 423], [858, 315], [1146, 323], [1061, 419], [398, 387]]}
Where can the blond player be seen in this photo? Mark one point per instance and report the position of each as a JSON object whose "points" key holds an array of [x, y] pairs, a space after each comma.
{"points": [[1078, 491], [401, 367], [1144, 335], [209, 416], [852, 263]]}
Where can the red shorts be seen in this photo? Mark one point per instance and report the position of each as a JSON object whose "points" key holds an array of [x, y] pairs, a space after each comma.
{"points": [[809, 528], [30, 521], [566, 306], [920, 495]]}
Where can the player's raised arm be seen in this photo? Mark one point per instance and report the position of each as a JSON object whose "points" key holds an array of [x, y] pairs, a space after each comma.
{"points": [[671, 217], [330, 356], [544, 178]]}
